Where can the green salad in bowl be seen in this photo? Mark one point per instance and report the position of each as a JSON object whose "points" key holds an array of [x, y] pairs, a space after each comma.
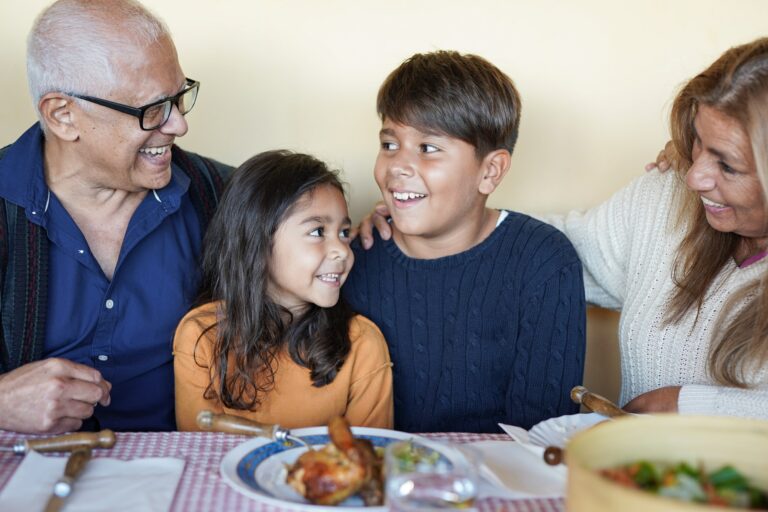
{"points": [[724, 486]]}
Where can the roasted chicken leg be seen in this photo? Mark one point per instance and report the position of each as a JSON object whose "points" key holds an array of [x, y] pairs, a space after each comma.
{"points": [[344, 467]]}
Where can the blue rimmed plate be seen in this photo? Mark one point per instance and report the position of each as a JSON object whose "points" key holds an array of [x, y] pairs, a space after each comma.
{"points": [[257, 468]]}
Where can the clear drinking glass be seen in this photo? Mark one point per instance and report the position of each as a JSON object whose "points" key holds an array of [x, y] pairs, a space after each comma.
{"points": [[423, 475]]}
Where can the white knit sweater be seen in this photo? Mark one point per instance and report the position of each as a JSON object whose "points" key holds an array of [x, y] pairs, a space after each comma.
{"points": [[627, 246]]}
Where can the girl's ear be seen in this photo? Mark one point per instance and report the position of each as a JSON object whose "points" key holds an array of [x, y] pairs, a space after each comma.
{"points": [[59, 116], [495, 166]]}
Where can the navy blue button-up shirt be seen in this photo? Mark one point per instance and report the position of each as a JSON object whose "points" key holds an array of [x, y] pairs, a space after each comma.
{"points": [[123, 327]]}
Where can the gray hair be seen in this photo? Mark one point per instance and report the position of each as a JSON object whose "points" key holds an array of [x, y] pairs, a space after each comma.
{"points": [[74, 45]]}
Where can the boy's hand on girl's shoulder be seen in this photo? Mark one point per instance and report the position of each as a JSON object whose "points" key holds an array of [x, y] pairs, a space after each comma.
{"points": [[378, 218]]}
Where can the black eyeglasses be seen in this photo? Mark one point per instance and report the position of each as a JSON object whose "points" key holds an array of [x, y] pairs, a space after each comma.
{"points": [[155, 114]]}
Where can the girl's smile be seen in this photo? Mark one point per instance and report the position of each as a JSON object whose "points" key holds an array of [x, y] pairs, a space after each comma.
{"points": [[311, 257]]}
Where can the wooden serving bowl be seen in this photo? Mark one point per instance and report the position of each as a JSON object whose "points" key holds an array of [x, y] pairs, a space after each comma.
{"points": [[712, 441]]}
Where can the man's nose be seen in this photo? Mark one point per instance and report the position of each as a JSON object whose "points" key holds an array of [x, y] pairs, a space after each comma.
{"points": [[176, 124]]}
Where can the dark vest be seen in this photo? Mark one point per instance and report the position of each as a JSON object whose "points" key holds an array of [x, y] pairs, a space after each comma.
{"points": [[24, 248]]}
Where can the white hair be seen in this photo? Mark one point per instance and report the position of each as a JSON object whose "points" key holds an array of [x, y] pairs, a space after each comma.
{"points": [[74, 45]]}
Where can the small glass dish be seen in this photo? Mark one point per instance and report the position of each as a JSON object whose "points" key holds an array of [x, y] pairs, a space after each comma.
{"points": [[425, 475]]}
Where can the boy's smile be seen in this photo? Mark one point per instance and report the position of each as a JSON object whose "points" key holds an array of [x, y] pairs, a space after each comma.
{"points": [[431, 183], [406, 197]]}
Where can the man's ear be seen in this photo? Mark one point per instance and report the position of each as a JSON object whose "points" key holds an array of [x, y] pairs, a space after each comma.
{"points": [[495, 166], [56, 111]]}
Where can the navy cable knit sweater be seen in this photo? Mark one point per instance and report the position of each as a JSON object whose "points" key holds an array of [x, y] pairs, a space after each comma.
{"points": [[493, 334]]}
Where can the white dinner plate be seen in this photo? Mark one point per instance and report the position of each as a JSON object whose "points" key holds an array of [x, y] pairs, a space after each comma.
{"points": [[257, 469], [557, 431]]}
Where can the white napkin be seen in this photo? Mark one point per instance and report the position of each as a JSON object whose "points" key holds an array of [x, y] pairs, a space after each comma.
{"points": [[106, 484], [517, 471], [519, 434]]}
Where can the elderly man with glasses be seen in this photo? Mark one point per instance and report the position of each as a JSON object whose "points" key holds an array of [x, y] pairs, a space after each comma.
{"points": [[101, 224]]}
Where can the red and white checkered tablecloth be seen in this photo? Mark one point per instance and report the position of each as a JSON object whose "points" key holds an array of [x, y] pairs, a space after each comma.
{"points": [[201, 487]]}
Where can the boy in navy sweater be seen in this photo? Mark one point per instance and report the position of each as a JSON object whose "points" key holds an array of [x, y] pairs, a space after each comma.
{"points": [[483, 309]]}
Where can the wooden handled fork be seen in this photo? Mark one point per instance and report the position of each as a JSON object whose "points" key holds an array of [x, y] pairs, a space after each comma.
{"points": [[229, 424]]}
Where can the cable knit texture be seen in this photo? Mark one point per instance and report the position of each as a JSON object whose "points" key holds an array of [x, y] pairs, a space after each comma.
{"points": [[628, 246], [492, 334]]}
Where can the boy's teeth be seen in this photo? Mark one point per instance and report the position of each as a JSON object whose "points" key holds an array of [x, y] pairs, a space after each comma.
{"points": [[154, 151], [708, 202], [404, 196], [329, 277]]}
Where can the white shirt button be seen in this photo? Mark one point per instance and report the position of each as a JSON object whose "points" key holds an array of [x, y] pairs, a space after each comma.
{"points": [[102, 357], [110, 304]]}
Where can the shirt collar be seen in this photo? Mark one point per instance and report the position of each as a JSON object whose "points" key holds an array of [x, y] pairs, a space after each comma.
{"points": [[175, 189], [22, 177]]}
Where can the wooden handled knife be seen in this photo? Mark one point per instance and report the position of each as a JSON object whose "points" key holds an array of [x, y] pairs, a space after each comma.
{"points": [[64, 443], [596, 403], [64, 486]]}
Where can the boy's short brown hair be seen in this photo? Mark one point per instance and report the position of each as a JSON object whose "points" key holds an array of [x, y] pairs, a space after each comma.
{"points": [[462, 96]]}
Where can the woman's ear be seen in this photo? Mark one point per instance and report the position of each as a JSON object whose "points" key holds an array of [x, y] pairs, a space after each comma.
{"points": [[495, 166], [58, 116]]}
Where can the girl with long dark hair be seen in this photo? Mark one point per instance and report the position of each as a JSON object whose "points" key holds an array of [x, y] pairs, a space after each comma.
{"points": [[271, 341]]}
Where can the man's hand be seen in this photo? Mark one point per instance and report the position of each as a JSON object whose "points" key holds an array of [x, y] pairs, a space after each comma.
{"points": [[378, 218], [665, 160], [658, 400], [50, 396]]}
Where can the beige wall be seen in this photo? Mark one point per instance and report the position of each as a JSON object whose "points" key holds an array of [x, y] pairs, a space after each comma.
{"points": [[596, 77]]}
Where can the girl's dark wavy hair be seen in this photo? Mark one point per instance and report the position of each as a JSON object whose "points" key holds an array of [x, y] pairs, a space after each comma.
{"points": [[251, 330]]}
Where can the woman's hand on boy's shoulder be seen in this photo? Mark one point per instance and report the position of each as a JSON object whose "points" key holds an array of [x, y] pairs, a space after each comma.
{"points": [[378, 218], [665, 160]]}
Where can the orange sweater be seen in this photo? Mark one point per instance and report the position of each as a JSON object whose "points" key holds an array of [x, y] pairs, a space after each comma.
{"points": [[361, 391]]}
